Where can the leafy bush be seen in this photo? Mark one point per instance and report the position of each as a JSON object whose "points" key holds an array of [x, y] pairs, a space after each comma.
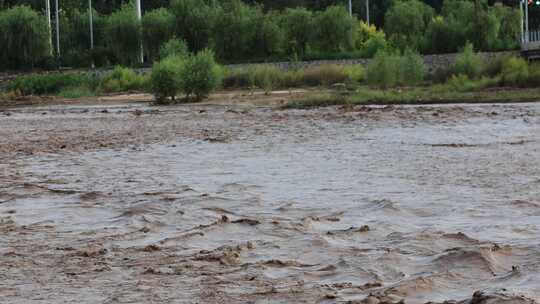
{"points": [[165, 78], [24, 38], [123, 32], [200, 74], [388, 69], [383, 70], [468, 63], [355, 73], [174, 47], [494, 66], [406, 22], [335, 29], [266, 77], [462, 83], [40, 84], [76, 92], [369, 40], [412, 68], [157, 28], [324, 75], [298, 26], [515, 71], [122, 80]]}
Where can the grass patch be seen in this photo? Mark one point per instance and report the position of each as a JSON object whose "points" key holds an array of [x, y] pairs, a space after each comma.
{"points": [[76, 92], [417, 95]]}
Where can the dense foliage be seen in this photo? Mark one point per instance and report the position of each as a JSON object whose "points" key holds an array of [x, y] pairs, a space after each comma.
{"points": [[24, 40], [245, 30]]}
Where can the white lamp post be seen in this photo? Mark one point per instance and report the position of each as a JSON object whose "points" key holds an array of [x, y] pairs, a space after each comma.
{"points": [[367, 12], [139, 17], [57, 29], [90, 12]]}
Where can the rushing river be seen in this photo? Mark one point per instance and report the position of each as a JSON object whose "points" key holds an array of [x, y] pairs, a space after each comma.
{"points": [[211, 205]]}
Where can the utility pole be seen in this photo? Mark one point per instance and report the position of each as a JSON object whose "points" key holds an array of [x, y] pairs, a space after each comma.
{"points": [[350, 7], [527, 37], [57, 29], [139, 17], [48, 13], [90, 12], [367, 12]]}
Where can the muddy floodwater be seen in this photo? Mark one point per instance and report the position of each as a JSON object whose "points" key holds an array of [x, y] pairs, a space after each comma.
{"points": [[130, 203]]}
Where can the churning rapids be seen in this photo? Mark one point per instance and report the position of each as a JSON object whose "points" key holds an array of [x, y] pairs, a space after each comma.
{"points": [[233, 204]]}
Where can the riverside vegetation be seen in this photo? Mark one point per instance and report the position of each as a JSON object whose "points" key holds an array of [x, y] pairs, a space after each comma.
{"points": [[239, 32], [390, 77]]}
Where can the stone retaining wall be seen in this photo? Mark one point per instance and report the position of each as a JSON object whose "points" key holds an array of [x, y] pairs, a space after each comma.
{"points": [[432, 62]]}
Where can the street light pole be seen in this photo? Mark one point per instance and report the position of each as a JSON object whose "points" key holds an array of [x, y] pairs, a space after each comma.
{"points": [[48, 13], [57, 29], [91, 30], [139, 17], [367, 12]]}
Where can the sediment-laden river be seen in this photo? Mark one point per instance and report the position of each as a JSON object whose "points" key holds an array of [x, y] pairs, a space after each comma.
{"points": [[227, 204]]}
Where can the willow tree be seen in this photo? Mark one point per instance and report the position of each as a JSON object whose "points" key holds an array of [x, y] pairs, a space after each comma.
{"points": [[23, 36]]}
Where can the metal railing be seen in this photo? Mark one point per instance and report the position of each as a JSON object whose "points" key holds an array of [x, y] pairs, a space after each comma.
{"points": [[534, 36]]}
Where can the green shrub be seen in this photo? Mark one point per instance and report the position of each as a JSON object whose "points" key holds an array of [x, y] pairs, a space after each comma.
{"points": [[515, 71], [369, 40], [200, 74], [468, 63], [122, 80], [40, 84], [383, 70], [373, 45], [462, 83], [174, 47], [335, 28], [157, 29], [24, 38], [165, 78], [494, 66], [123, 32], [324, 75], [355, 73], [388, 69], [266, 77], [412, 68], [76, 92]]}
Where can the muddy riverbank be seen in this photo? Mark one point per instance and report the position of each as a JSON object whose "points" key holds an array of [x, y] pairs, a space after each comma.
{"points": [[236, 203]]}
